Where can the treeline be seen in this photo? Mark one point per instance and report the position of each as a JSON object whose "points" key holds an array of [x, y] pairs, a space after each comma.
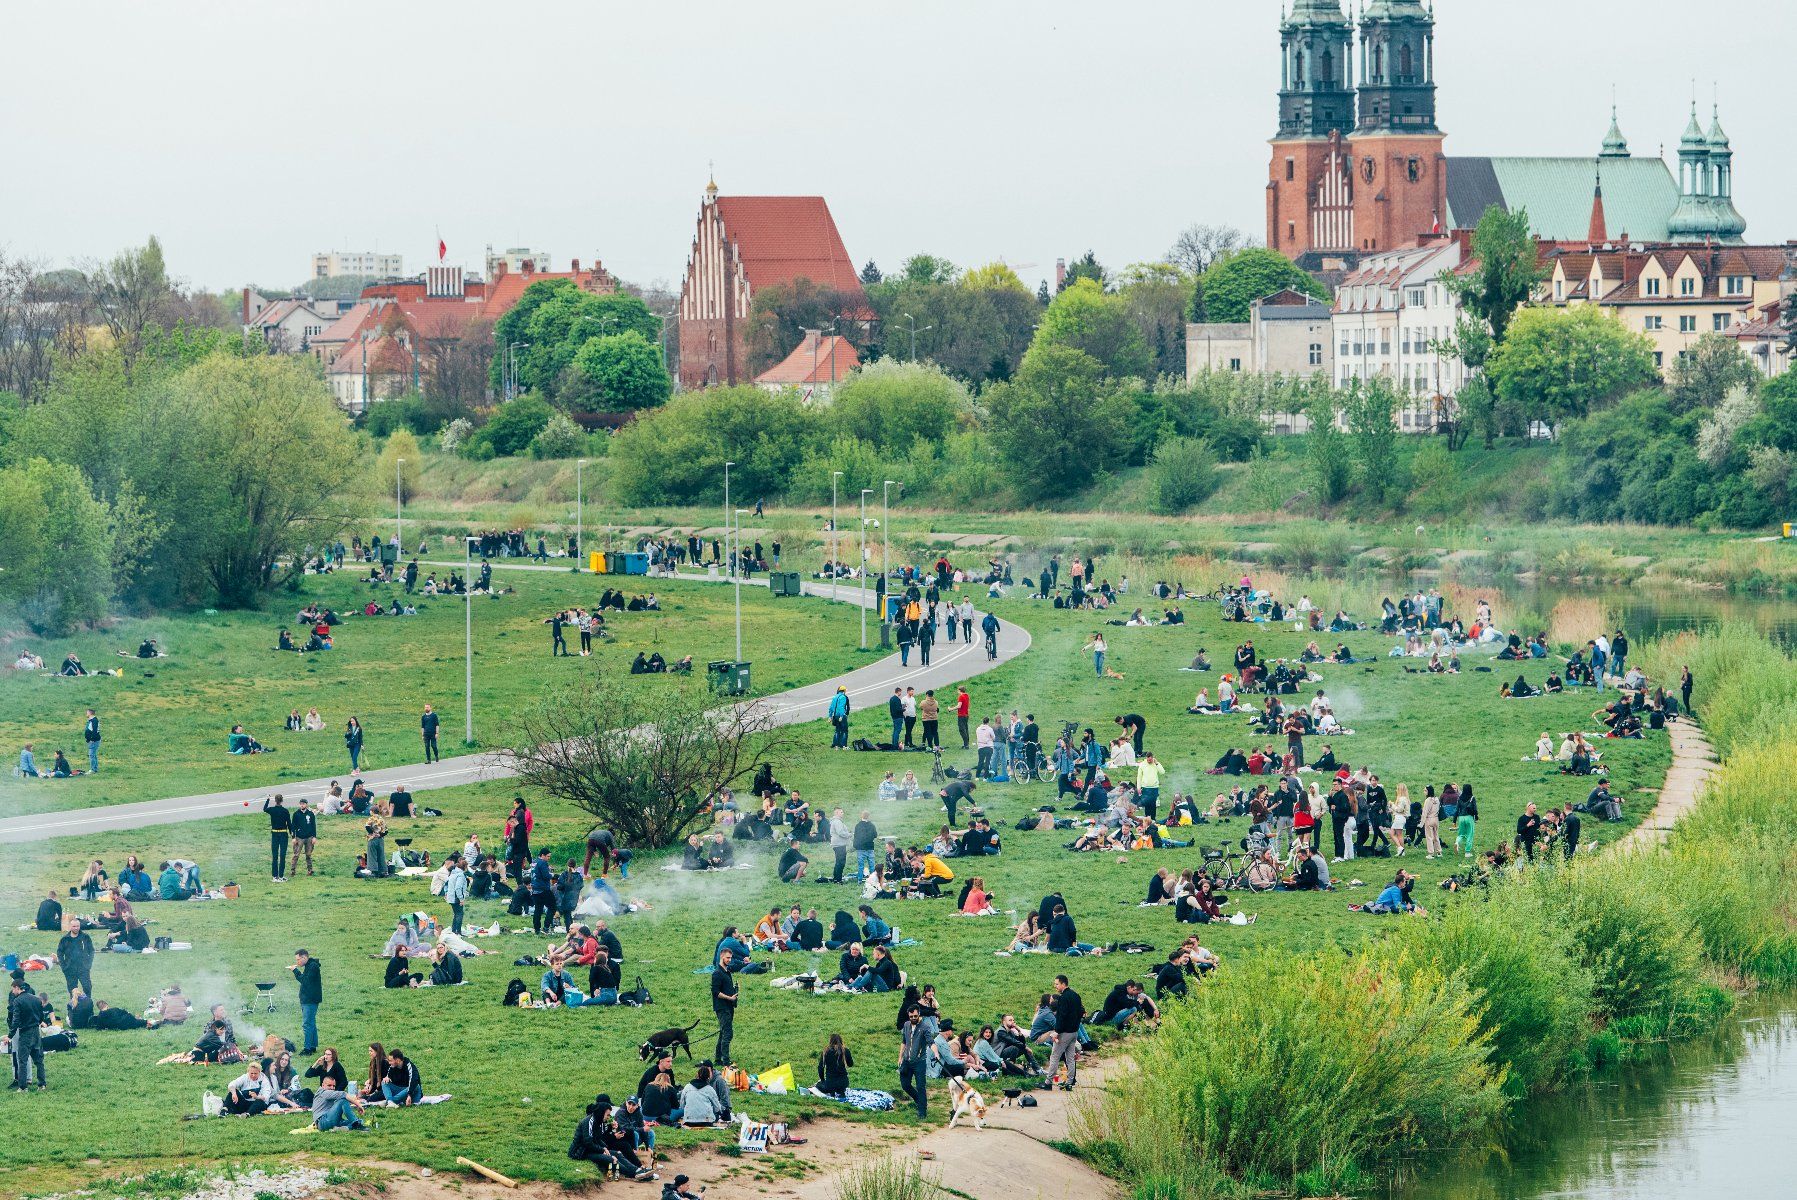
{"points": [[1309, 1076]]}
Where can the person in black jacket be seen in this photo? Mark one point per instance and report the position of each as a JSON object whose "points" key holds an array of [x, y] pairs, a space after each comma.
{"points": [[279, 822], [75, 955], [24, 1015], [49, 913], [302, 824], [1069, 1011], [833, 1067], [1170, 976], [448, 969], [809, 933], [212, 1044], [428, 723], [104, 1016], [329, 1072], [307, 974], [397, 975], [1121, 1004]]}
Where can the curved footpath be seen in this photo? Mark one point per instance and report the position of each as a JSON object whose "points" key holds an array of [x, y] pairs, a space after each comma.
{"points": [[1693, 762], [950, 663]]}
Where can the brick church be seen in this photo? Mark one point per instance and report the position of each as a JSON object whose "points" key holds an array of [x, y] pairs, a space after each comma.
{"points": [[744, 244], [1358, 165]]}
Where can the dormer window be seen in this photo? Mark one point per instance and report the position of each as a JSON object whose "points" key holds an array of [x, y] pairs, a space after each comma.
{"points": [[1650, 286]]}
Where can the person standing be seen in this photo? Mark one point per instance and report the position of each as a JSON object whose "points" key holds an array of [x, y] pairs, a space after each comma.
{"points": [[1069, 1011], [376, 829], [1465, 818], [963, 706], [929, 711], [1097, 647], [915, 1039], [542, 893], [280, 822], [303, 826], [723, 1005], [1528, 831], [895, 708], [75, 955], [455, 892], [428, 723], [1619, 652], [866, 837], [1569, 830], [841, 838], [24, 1015], [311, 994], [967, 622], [1148, 786], [352, 741], [92, 734], [839, 720], [1136, 727], [1684, 690], [558, 644], [910, 716]]}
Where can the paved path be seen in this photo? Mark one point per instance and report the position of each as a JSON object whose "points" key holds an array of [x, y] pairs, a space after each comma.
{"points": [[868, 687], [1693, 762]]}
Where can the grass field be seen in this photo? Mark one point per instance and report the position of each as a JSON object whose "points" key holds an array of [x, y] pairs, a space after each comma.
{"points": [[1415, 729], [165, 721]]}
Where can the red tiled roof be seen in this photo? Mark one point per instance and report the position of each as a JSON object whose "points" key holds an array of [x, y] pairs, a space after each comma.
{"points": [[782, 238], [802, 367], [439, 318], [346, 327], [385, 355]]}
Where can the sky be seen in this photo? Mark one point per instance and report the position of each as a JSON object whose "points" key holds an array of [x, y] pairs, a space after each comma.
{"points": [[249, 136]]}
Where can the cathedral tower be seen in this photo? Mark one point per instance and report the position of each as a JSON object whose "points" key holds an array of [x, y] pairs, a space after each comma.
{"points": [[1308, 189]]}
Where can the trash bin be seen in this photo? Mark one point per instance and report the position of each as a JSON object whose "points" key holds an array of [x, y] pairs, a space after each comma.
{"points": [[635, 564], [596, 562], [730, 678], [786, 583]]}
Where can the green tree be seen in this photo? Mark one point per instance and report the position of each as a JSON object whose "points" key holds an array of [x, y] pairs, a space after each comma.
{"points": [[1706, 373], [1155, 296], [1235, 281], [1086, 266], [1559, 363], [870, 274], [59, 546], [1182, 473], [401, 460], [1329, 462], [1197, 310], [928, 268], [1371, 409], [780, 314], [554, 319], [620, 371], [1042, 296], [511, 428], [1057, 424], [560, 438], [131, 292], [675, 454], [1506, 271], [891, 405], [1085, 318]]}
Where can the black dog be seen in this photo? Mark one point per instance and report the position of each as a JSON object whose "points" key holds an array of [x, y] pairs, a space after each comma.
{"points": [[668, 1041]]}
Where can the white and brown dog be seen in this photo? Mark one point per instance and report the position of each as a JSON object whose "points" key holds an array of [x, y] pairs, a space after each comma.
{"points": [[966, 1102]]}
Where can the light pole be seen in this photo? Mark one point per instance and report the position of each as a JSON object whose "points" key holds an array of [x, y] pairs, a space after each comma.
{"points": [[468, 642], [914, 332], [865, 493], [834, 476], [399, 523], [511, 378], [579, 518], [729, 563], [739, 586], [886, 528]]}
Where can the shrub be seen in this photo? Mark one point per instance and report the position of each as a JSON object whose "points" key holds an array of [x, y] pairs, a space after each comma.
{"points": [[560, 438], [1182, 474], [512, 427], [888, 1177], [454, 434], [1629, 935]]}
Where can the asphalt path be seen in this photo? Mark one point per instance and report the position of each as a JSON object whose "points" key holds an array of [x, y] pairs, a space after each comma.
{"points": [[868, 687]]}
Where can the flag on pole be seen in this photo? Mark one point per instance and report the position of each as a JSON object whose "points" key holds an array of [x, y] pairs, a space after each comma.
{"points": [[1436, 228], [442, 249]]}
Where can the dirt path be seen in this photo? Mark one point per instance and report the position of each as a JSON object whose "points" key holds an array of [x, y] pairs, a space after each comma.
{"points": [[1693, 762]]}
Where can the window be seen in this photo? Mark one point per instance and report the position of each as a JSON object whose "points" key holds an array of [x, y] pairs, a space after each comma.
{"points": [[1659, 359], [1235, 364], [1405, 344], [1719, 322], [1650, 286], [1653, 324], [1687, 324], [1687, 286], [1291, 231], [1316, 354], [1384, 345], [1416, 297], [1291, 169], [1406, 418], [1734, 285], [1559, 289]]}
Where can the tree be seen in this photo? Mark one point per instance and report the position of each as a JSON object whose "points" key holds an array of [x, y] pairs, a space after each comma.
{"points": [[675, 454], [560, 438], [780, 314], [1329, 463], [1558, 363], [621, 371], [891, 405], [1155, 297], [1200, 245], [1197, 311], [1707, 372], [927, 268], [1042, 296], [643, 762], [1717, 436], [555, 318], [1086, 266], [400, 462], [1057, 424], [1371, 409], [1085, 318], [870, 274], [511, 428], [130, 293], [59, 546], [43, 323], [1234, 282], [1182, 474], [1506, 270]]}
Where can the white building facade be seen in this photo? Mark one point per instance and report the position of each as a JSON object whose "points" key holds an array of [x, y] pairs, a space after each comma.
{"points": [[333, 263], [1393, 316]]}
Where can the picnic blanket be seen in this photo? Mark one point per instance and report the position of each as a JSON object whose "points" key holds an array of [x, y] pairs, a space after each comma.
{"points": [[864, 1099]]}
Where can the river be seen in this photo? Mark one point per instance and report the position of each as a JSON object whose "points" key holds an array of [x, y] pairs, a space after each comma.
{"points": [[1702, 1118]]}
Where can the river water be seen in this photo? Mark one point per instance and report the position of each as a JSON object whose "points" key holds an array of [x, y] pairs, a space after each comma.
{"points": [[1706, 1118]]}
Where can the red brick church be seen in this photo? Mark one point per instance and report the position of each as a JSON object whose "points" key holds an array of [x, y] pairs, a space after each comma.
{"points": [[744, 244]]}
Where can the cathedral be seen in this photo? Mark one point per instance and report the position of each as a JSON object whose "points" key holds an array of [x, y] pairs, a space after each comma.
{"points": [[1359, 164]]}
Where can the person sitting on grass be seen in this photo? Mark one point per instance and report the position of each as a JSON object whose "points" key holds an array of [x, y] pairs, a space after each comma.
{"points": [[875, 931], [767, 935], [792, 863], [250, 1093], [215, 1045], [240, 742], [699, 1108], [1063, 935], [882, 974], [403, 1085], [1122, 1005], [71, 666], [1307, 877]]}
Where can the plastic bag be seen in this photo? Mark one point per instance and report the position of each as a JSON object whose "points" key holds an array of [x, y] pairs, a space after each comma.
{"points": [[212, 1104], [752, 1138], [779, 1080]]}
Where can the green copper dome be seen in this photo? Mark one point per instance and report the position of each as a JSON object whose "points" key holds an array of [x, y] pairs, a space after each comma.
{"points": [[1693, 139], [1316, 12], [1717, 139], [1615, 145]]}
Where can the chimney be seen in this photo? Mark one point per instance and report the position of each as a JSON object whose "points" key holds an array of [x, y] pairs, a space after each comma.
{"points": [[1595, 235], [246, 306], [499, 267], [1060, 275], [576, 266], [813, 339]]}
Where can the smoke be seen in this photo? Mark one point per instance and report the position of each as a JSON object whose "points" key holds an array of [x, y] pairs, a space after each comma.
{"points": [[209, 986]]}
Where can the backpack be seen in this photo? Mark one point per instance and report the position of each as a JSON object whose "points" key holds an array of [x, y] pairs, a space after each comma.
{"points": [[513, 990], [861, 743], [637, 997]]}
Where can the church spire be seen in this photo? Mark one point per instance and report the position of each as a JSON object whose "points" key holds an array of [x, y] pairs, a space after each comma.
{"points": [[1615, 145], [1597, 234]]}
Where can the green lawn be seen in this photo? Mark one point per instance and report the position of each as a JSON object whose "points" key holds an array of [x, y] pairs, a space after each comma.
{"points": [[165, 721], [1414, 728]]}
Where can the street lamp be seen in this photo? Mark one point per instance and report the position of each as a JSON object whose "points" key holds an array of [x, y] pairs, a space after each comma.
{"points": [[399, 524], [914, 332], [579, 519], [865, 493], [511, 378], [886, 528], [728, 563], [834, 476], [468, 641], [739, 586]]}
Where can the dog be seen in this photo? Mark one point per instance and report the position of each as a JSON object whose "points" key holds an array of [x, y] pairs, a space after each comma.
{"points": [[966, 1102], [668, 1041]]}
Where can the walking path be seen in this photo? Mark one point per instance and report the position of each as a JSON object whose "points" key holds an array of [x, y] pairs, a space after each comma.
{"points": [[1693, 762], [868, 687]]}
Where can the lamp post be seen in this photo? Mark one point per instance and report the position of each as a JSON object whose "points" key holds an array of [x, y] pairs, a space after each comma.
{"points": [[834, 476], [729, 563], [511, 378], [468, 641], [399, 522], [739, 586], [865, 493], [886, 528], [914, 332], [579, 516]]}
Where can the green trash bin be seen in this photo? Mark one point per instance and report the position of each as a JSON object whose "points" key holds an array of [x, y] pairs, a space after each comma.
{"points": [[739, 679], [728, 678], [786, 583]]}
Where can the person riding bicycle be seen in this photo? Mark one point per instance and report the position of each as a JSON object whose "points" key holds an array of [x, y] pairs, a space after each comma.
{"points": [[989, 626]]}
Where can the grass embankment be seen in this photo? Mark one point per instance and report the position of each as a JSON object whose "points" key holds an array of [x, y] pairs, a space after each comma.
{"points": [[1415, 729], [1285, 1075], [165, 720]]}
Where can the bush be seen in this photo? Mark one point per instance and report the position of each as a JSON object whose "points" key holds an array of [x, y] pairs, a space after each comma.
{"points": [[511, 428], [1629, 934], [1182, 474], [560, 438], [888, 1177], [454, 434]]}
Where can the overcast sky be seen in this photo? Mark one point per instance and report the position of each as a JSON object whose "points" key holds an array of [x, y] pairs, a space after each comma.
{"points": [[248, 136]]}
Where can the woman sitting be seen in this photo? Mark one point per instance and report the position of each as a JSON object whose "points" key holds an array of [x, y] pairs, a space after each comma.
{"points": [[1200, 704], [699, 1102], [833, 1067], [977, 904], [1029, 936], [241, 742], [1311, 653]]}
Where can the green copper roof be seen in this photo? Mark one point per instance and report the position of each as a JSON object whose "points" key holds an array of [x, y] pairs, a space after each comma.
{"points": [[1693, 139], [1615, 145], [1717, 139], [1384, 10], [1316, 12], [1640, 194]]}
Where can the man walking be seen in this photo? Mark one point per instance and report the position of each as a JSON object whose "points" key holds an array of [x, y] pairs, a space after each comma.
{"points": [[1069, 1011], [24, 1014], [303, 825], [92, 734], [280, 821], [915, 1038], [311, 995], [723, 1006], [839, 720], [558, 644], [428, 723], [75, 955], [963, 706]]}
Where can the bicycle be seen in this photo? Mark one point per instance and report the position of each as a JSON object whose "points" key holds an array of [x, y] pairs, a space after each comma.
{"points": [[992, 646], [1036, 767]]}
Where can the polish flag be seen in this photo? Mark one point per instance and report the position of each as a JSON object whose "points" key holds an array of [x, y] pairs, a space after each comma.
{"points": [[443, 250], [1436, 228]]}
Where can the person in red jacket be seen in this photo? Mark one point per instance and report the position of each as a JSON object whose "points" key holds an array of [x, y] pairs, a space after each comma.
{"points": [[963, 706]]}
